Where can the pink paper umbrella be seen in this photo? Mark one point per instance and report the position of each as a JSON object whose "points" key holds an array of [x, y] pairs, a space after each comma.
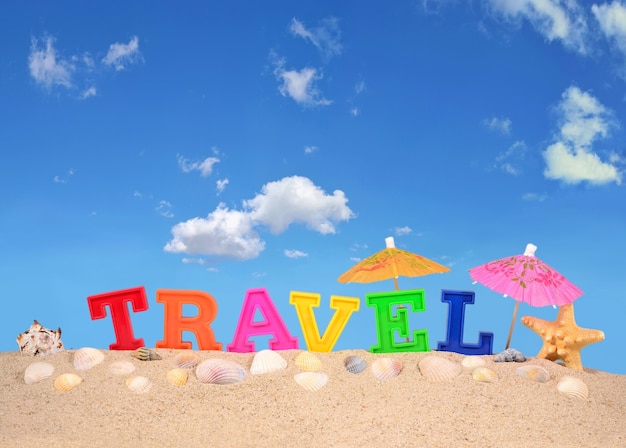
{"points": [[527, 279]]}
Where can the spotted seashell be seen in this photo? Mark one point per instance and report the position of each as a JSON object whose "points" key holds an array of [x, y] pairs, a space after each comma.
{"points": [[177, 376], [509, 355], [122, 368], [38, 371], [473, 362], [484, 375], [87, 357], [385, 369], [186, 360], [435, 368], [220, 371], [267, 361], [573, 387], [355, 364], [40, 341], [311, 381], [139, 384], [308, 362], [67, 381], [146, 354], [534, 373]]}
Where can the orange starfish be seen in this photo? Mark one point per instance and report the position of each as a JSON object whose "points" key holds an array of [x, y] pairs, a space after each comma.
{"points": [[563, 339]]}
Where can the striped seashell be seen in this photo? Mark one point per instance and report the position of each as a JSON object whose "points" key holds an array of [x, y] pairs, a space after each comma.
{"points": [[38, 371], [67, 381], [355, 364], [87, 357], [220, 371], [534, 373], [146, 354], [139, 384], [308, 362], [435, 368], [122, 368], [484, 375], [573, 387], [473, 362], [186, 360], [385, 369], [267, 361], [311, 381], [509, 355], [177, 376]]}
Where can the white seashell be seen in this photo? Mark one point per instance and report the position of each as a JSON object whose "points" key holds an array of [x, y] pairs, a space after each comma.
{"points": [[355, 364], [67, 381], [139, 384], [534, 373], [122, 368], [267, 361], [186, 360], [177, 376], [311, 381], [40, 341], [573, 387], [38, 371], [435, 368], [220, 371], [385, 369], [85, 358], [484, 375], [473, 362], [308, 362]]}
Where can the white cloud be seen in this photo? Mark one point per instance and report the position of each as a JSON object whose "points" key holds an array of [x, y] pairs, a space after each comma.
{"points": [[120, 55], [326, 37], [310, 149], [164, 208], [401, 231], [612, 20], [534, 197], [508, 161], [205, 167], [299, 84], [571, 158], [355, 111], [46, 68], [91, 91], [64, 180], [502, 125], [292, 253], [359, 87], [221, 185]]}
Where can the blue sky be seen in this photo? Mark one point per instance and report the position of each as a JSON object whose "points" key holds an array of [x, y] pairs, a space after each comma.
{"points": [[223, 146]]}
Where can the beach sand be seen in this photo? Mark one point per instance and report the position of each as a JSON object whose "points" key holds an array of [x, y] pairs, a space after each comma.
{"points": [[272, 410]]}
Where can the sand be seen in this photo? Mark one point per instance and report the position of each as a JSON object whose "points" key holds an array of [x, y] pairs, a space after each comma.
{"points": [[272, 410]]}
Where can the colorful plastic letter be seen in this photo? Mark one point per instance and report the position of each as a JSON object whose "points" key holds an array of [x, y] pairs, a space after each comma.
{"points": [[387, 324], [304, 303], [456, 319], [259, 299], [116, 301], [175, 323]]}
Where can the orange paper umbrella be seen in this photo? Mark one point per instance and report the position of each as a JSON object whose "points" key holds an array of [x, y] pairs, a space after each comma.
{"points": [[390, 263]]}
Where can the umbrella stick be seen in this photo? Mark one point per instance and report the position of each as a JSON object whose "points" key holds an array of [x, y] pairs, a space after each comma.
{"points": [[508, 341], [395, 282]]}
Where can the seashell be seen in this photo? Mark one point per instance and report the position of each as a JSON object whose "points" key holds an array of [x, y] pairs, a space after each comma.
{"points": [[308, 362], [38, 371], [146, 354], [435, 368], [122, 368], [177, 376], [267, 361], [186, 360], [484, 375], [139, 384], [509, 355], [355, 364], [534, 373], [573, 387], [385, 369], [87, 357], [67, 381], [311, 381], [473, 362], [40, 341], [220, 371]]}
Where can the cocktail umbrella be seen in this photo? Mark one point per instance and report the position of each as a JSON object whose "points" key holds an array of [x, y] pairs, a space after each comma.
{"points": [[527, 279]]}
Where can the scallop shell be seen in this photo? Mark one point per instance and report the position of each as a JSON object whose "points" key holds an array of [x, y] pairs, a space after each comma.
{"points": [[187, 360], [534, 373], [38, 371], [146, 354], [267, 361], [484, 375], [220, 371], [311, 381], [435, 368], [139, 384], [473, 362], [85, 358], [573, 387], [355, 364], [308, 362], [67, 381], [385, 369], [177, 376], [122, 368]]}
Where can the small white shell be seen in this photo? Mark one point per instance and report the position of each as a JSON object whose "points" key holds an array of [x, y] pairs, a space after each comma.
{"points": [[385, 369], [435, 368], [355, 364], [67, 381], [534, 373], [38, 371], [267, 361], [484, 375], [186, 360], [177, 376], [122, 368], [139, 384], [87, 357], [308, 362], [311, 381], [473, 362], [220, 371], [573, 387]]}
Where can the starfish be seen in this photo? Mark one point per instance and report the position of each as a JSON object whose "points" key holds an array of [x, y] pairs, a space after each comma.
{"points": [[563, 339]]}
